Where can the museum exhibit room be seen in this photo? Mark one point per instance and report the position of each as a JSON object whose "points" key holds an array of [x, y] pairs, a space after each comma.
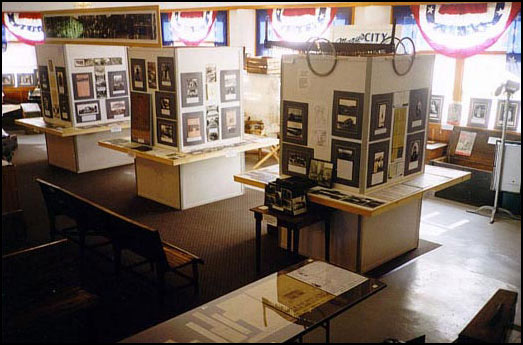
{"points": [[261, 172]]}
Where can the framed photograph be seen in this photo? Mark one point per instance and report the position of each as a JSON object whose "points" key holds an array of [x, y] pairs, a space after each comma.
{"points": [[61, 80], [117, 83], [479, 112], [415, 153], [165, 105], [347, 114], [116, 60], [454, 114], [65, 113], [230, 85], [418, 104], [346, 158], [25, 79], [321, 172], [47, 104], [141, 127], [8, 79], [295, 118], [83, 86], [514, 110], [88, 111], [37, 77], [100, 83], [296, 160], [166, 80], [44, 78], [138, 75], [381, 116], [113, 25], [192, 89], [193, 128], [166, 132], [151, 75], [378, 161], [117, 108], [465, 143], [232, 123], [212, 117], [436, 108]]}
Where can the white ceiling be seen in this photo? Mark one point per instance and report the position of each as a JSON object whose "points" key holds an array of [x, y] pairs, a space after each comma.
{"points": [[49, 6]]}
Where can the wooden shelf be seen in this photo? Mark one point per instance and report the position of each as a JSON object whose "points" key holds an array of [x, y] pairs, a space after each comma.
{"points": [[39, 124]]}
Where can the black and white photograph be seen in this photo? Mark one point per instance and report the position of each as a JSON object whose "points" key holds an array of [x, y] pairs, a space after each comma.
{"points": [[295, 122], [138, 75], [296, 160], [151, 75], [212, 117], [65, 114], [117, 108], [418, 104], [44, 78], [61, 80], [166, 131], [513, 114], [117, 83], [115, 60], [82, 86], [377, 163], [25, 79], [37, 77], [166, 80], [415, 153], [381, 116], [193, 128], [231, 122], [479, 112], [321, 172], [87, 111], [47, 104], [346, 158], [100, 82], [8, 79], [79, 63], [191, 84], [230, 85], [347, 112], [165, 105], [211, 83], [346, 197], [435, 108]]}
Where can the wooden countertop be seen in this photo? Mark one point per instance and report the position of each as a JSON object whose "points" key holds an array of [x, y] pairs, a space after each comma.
{"points": [[174, 158], [40, 124], [374, 203]]}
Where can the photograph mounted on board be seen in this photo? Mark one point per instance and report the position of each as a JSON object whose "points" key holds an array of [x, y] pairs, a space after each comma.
{"points": [[346, 158], [436, 108], [25, 79], [166, 80], [117, 83], [87, 111], [230, 85], [82, 86], [47, 104], [232, 124], [418, 104], [166, 131], [193, 128], [381, 116], [141, 127], [8, 79], [347, 114], [378, 163], [415, 153], [513, 114], [321, 172], [479, 112], [151, 75], [192, 89], [295, 122], [212, 117], [61, 80], [117, 108], [296, 160], [64, 108], [138, 75], [165, 105], [44, 78]]}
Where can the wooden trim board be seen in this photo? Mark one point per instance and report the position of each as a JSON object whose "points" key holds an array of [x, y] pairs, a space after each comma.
{"points": [[39, 124]]}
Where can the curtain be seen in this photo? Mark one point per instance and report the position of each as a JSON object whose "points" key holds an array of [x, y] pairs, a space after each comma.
{"points": [[191, 28], [300, 24], [26, 27], [514, 47], [463, 30]]}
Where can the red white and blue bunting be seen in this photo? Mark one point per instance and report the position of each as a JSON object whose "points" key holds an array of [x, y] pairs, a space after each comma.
{"points": [[463, 30], [26, 27], [300, 24], [192, 28]]}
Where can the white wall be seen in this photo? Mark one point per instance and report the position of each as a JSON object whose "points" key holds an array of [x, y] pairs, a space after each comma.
{"points": [[18, 58], [368, 15], [242, 26]]}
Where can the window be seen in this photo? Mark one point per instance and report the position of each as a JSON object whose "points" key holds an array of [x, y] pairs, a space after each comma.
{"points": [[195, 28]]}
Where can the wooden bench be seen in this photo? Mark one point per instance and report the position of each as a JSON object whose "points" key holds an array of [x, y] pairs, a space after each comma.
{"points": [[124, 234]]}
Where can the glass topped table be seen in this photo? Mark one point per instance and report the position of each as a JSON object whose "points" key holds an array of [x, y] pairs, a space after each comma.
{"points": [[278, 308]]}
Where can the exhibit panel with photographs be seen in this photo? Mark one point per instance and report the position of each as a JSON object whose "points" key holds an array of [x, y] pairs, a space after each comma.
{"points": [[381, 116], [513, 115], [295, 120], [141, 127], [296, 160], [436, 108], [479, 112], [415, 153]]}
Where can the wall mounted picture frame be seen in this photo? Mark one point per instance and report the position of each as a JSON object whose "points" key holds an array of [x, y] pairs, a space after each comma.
{"points": [[346, 158], [378, 164], [212, 118], [321, 172], [436, 108], [232, 123], [193, 128], [165, 103], [454, 114], [151, 75], [296, 160], [138, 81], [295, 122], [25, 79], [117, 83], [117, 108], [191, 89], [37, 77], [83, 86], [166, 81], [44, 78], [479, 112], [114, 25], [381, 116], [47, 104], [230, 85], [166, 132], [88, 111], [347, 114], [61, 80], [65, 112], [418, 104], [415, 153], [513, 115], [8, 79], [141, 127]]}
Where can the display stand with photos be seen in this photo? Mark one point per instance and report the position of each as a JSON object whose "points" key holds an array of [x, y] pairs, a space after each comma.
{"points": [[187, 101], [84, 99]]}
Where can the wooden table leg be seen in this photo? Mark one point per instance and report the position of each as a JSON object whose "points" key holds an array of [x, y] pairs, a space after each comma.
{"points": [[258, 218], [264, 159]]}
